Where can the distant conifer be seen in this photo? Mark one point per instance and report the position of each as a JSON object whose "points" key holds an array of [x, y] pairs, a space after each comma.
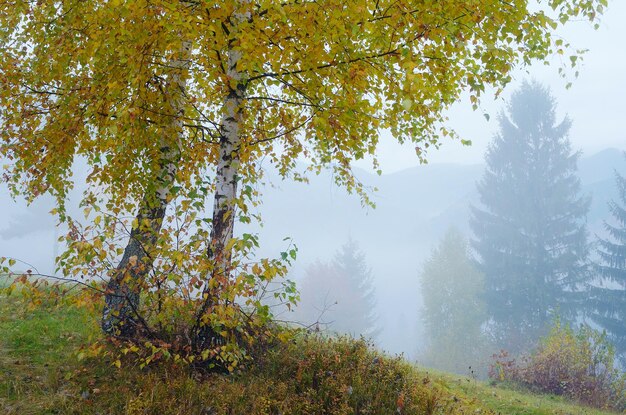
{"points": [[530, 232], [340, 294], [609, 299]]}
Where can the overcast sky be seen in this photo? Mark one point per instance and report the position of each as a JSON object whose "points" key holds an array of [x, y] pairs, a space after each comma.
{"points": [[595, 102]]}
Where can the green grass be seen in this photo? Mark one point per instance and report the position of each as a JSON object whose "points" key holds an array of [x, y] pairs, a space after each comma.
{"points": [[508, 399], [36, 354], [41, 374]]}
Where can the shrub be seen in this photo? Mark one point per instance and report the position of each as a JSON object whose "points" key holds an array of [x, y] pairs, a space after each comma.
{"points": [[576, 364]]}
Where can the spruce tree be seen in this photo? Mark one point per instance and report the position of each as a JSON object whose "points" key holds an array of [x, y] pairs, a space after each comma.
{"points": [[361, 316], [340, 294], [530, 232], [608, 301]]}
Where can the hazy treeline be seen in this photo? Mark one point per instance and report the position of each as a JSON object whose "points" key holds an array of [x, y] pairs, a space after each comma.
{"points": [[525, 258], [529, 260]]}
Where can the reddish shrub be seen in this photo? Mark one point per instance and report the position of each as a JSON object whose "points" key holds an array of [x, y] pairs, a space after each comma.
{"points": [[577, 364]]}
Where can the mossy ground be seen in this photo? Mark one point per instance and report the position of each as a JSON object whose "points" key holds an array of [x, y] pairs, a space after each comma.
{"points": [[40, 373]]}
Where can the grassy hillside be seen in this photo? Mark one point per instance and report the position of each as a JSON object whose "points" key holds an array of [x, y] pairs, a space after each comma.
{"points": [[41, 374]]}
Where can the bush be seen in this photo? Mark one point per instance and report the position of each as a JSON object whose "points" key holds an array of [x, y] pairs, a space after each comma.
{"points": [[576, 364], [340, 375]]}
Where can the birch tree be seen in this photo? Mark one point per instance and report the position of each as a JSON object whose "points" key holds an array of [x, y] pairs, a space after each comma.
{"points": [[177, 106]]}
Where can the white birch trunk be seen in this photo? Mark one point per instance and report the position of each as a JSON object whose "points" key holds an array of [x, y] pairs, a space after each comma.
{"points": [[228, 164], [224, 203]]}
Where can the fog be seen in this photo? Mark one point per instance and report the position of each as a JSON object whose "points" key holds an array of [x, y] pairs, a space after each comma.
{"points": [[415, 204]]}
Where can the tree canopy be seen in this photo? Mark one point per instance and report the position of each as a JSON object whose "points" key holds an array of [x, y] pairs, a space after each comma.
{"points": [[87, 78]]}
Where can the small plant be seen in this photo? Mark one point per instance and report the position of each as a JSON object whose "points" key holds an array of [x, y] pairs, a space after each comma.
{"points": [[504, 367]]}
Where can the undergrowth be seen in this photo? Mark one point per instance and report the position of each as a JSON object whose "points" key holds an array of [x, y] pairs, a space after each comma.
{"points": [[575, 363], [309, 374], [41, 373]]}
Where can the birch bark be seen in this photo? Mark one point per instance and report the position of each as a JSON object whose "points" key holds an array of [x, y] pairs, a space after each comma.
{"points": [[120, 316], [225, 198]]}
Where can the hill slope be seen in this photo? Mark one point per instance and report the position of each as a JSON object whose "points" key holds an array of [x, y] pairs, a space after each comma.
{"points": [[40, 374]]}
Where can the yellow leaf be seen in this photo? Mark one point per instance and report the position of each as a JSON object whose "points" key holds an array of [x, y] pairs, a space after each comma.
{"points": [[407, 104]]}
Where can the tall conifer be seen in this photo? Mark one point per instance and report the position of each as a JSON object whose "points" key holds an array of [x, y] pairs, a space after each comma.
{"points": [[530, 232]]}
